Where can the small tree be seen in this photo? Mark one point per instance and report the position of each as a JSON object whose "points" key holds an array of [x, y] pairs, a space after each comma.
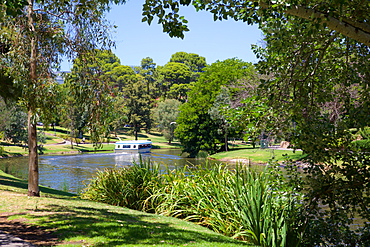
{"points": [[165, 116]]}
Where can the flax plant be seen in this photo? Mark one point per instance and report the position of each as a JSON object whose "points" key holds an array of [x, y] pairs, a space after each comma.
{"points": [[244, 204], [239, 203], [127, 186]]}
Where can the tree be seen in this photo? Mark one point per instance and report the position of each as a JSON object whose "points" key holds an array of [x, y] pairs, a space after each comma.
{"points": [[171, 74], [137, 103], [166, 115], [320, 84], [148, 71], [195, 62], [218, 113], [13, 123], [46, 30], [196, 129], [120, 75], [346, 17]]}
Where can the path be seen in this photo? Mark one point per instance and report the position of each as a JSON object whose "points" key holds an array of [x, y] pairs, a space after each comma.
{"points": [[7, 240]]}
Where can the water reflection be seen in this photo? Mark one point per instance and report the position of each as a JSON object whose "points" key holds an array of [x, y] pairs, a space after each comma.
{"points": [[72, 172]]}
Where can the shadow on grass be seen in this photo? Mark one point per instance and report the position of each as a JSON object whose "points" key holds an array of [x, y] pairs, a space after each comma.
{"points": [[107, 228], [21, 184]]}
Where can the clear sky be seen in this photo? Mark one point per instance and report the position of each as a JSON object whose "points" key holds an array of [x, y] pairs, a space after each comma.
{"points": [[218, 40]]}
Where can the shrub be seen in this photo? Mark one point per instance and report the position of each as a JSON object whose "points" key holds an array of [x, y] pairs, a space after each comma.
{"points": [[365, 133], [126, 187], [362, 145], [239, 203], [242, 204]]}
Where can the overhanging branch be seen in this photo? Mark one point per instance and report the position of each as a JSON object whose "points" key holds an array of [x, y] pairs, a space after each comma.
{"points": [[357, 31]]}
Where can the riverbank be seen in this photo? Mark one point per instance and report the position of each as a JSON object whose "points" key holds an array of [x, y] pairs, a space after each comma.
{"points": [[60, 218]]}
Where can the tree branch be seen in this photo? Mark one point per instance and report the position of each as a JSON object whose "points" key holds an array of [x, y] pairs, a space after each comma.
{"points": [[354, 30]]}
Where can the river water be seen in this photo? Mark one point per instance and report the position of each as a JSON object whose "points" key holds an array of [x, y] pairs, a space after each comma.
{"points": [[72, 172]]}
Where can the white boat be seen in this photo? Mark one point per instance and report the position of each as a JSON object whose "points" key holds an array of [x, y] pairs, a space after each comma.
{"points": [[139, 146]]}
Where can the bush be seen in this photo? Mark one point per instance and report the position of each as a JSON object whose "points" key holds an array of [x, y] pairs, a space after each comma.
{"points": [[365, 133], [239, 203], [362, 145], [127, 187]]}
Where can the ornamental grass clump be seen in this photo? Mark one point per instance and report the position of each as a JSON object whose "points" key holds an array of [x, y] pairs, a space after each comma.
{"points": [[253, 206], [239, 203], [127, 187]]}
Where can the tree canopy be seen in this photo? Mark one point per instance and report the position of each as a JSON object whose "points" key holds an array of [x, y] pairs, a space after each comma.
{"points": [[196, 129], [347, 17]]}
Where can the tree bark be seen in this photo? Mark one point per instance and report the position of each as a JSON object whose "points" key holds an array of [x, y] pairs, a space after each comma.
{"points": [[33, 165], [358, 32]]}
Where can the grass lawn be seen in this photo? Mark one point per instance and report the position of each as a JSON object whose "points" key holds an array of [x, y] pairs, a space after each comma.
{"points": [[53, 143], [76, 222], [258, 155]]}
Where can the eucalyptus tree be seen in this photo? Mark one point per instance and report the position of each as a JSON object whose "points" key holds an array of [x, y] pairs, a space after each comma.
{"points": [[38, 35], [321, 84]]}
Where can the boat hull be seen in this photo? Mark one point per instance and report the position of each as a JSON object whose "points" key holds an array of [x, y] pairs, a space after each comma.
{"points": [[126, 150]]}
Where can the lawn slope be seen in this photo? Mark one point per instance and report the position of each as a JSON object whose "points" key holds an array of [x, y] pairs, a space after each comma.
{"points": [[76, 222]]}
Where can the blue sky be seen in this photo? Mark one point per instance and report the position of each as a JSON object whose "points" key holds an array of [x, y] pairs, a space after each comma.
{"points": [[218, 40]]}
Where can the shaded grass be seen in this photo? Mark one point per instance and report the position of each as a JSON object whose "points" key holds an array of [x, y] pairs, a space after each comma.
{"points": [[84, 223]]}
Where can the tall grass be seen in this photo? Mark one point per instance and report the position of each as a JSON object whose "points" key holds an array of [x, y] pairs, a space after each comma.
{"points": [[239, 203], [128, 187]]}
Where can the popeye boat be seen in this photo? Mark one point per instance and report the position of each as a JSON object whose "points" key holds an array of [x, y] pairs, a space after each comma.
{"points": [[136, 146]]}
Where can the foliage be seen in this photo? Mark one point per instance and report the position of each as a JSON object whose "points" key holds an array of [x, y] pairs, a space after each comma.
{"points": [[13, 123], [137, 102], [196, 129], [166, 115], [240, 203], [88, 94], [127, 187], [38, 35], [172, 74], [218, 113], [195, 62], [74, 220], [365, 132], [248, 205], [345, 17], [362, 145]]}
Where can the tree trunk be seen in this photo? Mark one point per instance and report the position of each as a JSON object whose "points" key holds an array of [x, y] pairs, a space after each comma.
{"points": [[226, 143], [33, 163]]}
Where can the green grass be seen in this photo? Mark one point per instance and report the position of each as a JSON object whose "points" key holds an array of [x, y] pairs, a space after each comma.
{"points": [[84, 223], [258, 155]]}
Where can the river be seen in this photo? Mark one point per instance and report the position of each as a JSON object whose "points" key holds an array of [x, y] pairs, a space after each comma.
{"points": [[72, 172]]}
